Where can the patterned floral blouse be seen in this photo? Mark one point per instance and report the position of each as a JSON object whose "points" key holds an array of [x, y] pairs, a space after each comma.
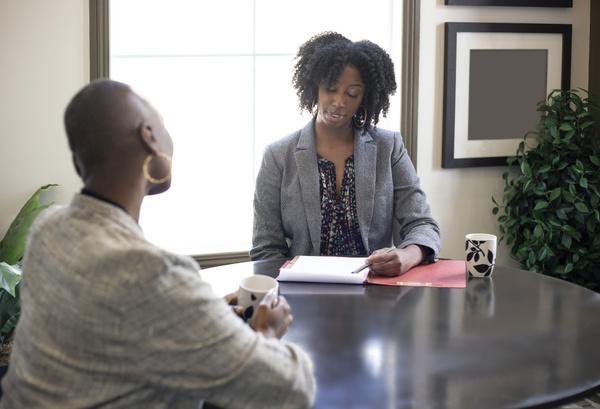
{"points": [[340, 234]]}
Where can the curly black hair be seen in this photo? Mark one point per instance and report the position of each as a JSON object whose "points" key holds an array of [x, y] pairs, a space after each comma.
{"points": [[321, 60]]}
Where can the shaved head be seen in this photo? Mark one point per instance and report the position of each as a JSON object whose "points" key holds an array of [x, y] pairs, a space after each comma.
{"points": [[101, 121], [121, 148]]}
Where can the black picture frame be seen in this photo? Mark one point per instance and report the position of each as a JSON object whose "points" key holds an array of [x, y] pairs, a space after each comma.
{"points": [[449, 158], [511, 3]]}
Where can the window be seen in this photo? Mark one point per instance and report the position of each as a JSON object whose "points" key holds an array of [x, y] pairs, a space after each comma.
{"points": [[220, 73]]}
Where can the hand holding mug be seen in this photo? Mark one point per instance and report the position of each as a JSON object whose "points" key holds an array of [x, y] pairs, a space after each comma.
{"points": [[232, 300], [262, 307], [273, 316]]}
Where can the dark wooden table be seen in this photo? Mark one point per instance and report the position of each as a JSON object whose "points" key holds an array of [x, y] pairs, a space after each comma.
{"points": [[517, 339]]}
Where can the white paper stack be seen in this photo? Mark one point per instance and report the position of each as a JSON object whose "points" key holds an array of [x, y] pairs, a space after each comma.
{"points": [[323, 269]]}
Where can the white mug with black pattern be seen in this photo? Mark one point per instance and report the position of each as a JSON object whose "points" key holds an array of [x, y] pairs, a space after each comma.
{"points": [[480, 254], [252, 291]]}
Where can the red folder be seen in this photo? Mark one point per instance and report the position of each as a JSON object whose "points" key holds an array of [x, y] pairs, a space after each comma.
{"points": [[442, 273]]}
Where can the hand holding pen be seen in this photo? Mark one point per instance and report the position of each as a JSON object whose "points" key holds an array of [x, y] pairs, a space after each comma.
{"points": [[394, 261], [368, 263]]}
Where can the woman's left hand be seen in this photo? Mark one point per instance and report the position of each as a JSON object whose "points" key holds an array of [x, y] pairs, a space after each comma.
{"points": [[394, 261], [232, 299]]}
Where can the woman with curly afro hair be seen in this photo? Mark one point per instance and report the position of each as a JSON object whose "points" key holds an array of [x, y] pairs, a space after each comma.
{"points": [[341, 186]]}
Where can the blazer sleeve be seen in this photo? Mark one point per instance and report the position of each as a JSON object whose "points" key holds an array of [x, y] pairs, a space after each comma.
{"points": [[189, 342], [413, 223], [268, 238]]}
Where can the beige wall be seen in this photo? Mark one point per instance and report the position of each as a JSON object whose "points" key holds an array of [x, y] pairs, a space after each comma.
{"points": [[44, 54], [460, 198]]}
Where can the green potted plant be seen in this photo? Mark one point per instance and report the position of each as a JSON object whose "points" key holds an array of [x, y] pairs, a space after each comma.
{"points": [[12, 248], [550, 216]]}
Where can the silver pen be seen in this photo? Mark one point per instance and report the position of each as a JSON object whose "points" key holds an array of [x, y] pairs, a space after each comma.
{"points": [[361, 268]]}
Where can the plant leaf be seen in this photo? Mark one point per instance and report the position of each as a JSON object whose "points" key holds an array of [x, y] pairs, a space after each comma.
{"points": [[586, 124], [570, 229], [555, 160], [541, 204], [12, 245], [538, 231], [566, 240], [554, 194], [561, 214], [543, 254], [10, 276], [569, 197], [581, 207], [565, 127], [9, 325], [555, 223], [525, 168], [544, 169], [10, 309], [531, 258]]}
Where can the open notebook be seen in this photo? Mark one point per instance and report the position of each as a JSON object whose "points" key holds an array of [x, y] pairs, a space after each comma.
{"points": [[321, 269]]}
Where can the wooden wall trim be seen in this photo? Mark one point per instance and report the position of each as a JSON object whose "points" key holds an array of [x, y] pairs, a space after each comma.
{"points": [[99, 39], [410, 76]]}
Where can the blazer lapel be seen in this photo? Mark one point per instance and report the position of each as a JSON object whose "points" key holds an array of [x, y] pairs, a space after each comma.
{"points": [[308, 174], [365, 156]]}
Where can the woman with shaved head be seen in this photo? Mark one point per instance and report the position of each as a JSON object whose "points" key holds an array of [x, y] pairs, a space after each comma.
{"points": [[110, 320]]}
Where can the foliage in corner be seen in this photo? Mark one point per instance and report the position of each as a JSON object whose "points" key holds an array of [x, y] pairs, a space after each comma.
{"points": [[12, 248], [551, 197]]}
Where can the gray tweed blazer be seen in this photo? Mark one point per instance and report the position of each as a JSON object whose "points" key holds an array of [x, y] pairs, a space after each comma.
{"points": [[392, 208]]}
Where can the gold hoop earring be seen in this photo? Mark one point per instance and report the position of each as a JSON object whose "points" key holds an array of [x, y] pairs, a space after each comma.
{"points": [[146, 165], [360, 121]]}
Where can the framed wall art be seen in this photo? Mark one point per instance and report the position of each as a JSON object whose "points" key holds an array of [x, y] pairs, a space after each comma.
{"points": [[494, 76], [512, 3]]}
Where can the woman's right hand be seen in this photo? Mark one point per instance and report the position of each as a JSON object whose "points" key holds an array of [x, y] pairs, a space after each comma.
{"points": [[273, 316]]}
